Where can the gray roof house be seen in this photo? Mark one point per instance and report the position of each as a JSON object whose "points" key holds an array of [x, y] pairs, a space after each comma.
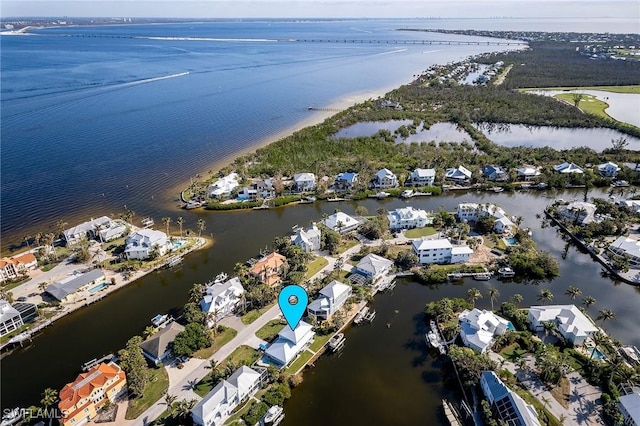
{"points": [[629, 407], [495, 173], [10, 318], [62, 290], [86, 229], [157, 348], [332, 297], [307, 239], [373, 266], [507, 405]]}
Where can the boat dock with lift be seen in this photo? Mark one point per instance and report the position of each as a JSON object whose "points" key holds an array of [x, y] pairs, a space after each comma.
{"points": [[336, 343], [90, 364], [364, 315]]}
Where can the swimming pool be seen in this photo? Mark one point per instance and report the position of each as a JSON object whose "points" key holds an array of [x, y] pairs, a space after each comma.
{"points": [[177, 244], [511, 241], [597, 353], [97, 288], [510, 326]]}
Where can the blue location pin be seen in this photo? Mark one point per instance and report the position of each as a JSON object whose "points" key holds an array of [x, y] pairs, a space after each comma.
{"points": [[293, 302]]}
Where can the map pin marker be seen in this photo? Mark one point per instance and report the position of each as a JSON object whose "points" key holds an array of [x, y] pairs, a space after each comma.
{"points": [[293, 302]]}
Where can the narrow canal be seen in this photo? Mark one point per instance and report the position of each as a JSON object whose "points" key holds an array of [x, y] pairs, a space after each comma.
{"points": [[383, 372]]}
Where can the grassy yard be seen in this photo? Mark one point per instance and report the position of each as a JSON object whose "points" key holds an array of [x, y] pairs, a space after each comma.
{"points": [[18, 330], [236, 417], [254, 314], [420, 232], [562, 392], [589, 104], [158, 385], [346, 245], [315, 266], [547, 418], [298, 363], [319, 342], [614, 89], [512, 352], [12, 285], [243, 355], [220, 340], [270, 330]]}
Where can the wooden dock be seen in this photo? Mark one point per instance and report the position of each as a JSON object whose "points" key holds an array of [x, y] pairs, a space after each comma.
{"points": [[90, 364], [364, 315]]}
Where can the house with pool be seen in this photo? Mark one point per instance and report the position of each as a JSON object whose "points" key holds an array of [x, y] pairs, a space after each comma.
{"points": [[571, 323], [77, 287], [479, 327]]}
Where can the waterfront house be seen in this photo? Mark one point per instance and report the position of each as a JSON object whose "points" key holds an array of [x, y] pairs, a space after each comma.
{"points": [[307, 239], [495, 173], [304, 182], [373, 267], [629, 407], [471, 212], [579, 212], [386, 103], [28, 311], [216, 406], [608, 169], [568, 168], [222, 299], [144, 243], [528, 172], [81, 399], [111, 231], [385, 179], [633, 205], [440, 251], [224, 187], [259, 189], [460, 175], [422, 177], [507, 405], [157, 348], [570, 322], [289, 344], [626, 247], [341, 222], [10, 318], [332, 297], [408, 218], [75, 287], [479, 327], [12, 267], [269, 268], [346, 180], [90, 230]]}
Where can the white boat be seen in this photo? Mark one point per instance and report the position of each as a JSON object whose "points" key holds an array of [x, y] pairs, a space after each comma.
{"points": [[173, 261], [542, 185], [482, 276], [407, 193], [273, 416], [620, 183], [380, 195], [336, 342], [497, 189], [506, 272], [161, 321], [220, 278]]}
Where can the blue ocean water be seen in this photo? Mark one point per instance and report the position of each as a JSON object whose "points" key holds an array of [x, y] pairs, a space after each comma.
{"points": [[98, 118]]}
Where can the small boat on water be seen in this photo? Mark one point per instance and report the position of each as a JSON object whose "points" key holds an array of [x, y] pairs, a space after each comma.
{"points": [[337, 342], [407, 193], [273, 416], [161, 321], [486, 276], [497, 189], [620, 183], [506, 272], [307, 200]]}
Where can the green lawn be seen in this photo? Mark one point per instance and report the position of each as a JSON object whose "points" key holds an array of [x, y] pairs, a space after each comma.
{"points": [[236, 417], [315, 266], [270, 330], [254, 314], [299, 363], [547, 418], [420, 232], [346, 245], [220, 340], [158, 385], [614, 89], [589, 104], [512, 352], [12, 285], [243, 355], [319, 342], [18, 330]]}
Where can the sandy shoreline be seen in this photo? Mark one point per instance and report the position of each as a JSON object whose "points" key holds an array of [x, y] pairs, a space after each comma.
{"points": [[316, 117]]}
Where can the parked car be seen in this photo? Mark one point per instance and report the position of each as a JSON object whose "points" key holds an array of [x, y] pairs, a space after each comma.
{"points": [[21, 299]]}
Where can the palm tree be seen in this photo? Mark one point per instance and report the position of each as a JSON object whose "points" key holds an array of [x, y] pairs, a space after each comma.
{"points": [[598, 338], [493, 295], [545, 296], [517, 299], [201, 226], [196, 292], [588, 301], [166, 221], [573, 292], [180, 222], [50, 239], [605, 314], [549, 327], [473, 294], [49, 398], [213, 365], [149, 331], [169, 400]]}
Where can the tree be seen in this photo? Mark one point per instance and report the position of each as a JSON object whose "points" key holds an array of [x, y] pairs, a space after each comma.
{"points": [[599, 338], [194, 337], [588, 301], [50, 238], [605, 314], [576, 97], [49, 398], [549, 327], [134, 365], [201, 226], [619, 144], [169, 400], [60, 225], [473, 294], [192, 313], [361, 211], [573, 292], [196, 293], [493, 295], [545, 296], [166, 220], [330, 240], [517, 299], [149, 331], [183, 410], [180, 222]]}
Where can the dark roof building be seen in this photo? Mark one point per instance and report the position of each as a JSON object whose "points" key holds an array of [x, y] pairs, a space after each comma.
{"points": [[157, 348]]}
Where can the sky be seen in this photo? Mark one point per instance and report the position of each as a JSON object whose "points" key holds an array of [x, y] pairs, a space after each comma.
{"points": [[320, 8]]}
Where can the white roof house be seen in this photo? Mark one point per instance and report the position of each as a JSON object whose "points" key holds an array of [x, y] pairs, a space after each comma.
{"points": [[341, 222], [581, 211], [528, 172], [474, 211], [608, 169], [217, 405], [307, 239], [570, 321], [222, 298], [10, 318], [478, 328], [439, 250], [629, 406], [422, 177], [332, 297], [568, 168], [407, 218], [290, 343], [507, 405], [87, 229], [224, 186], [304, 181], [140, 244], [628, 247], [459, 174], [373, 266], [385, 178]]}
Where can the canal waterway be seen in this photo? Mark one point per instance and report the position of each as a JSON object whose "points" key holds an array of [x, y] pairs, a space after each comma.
{"points": [[55, 356]]}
